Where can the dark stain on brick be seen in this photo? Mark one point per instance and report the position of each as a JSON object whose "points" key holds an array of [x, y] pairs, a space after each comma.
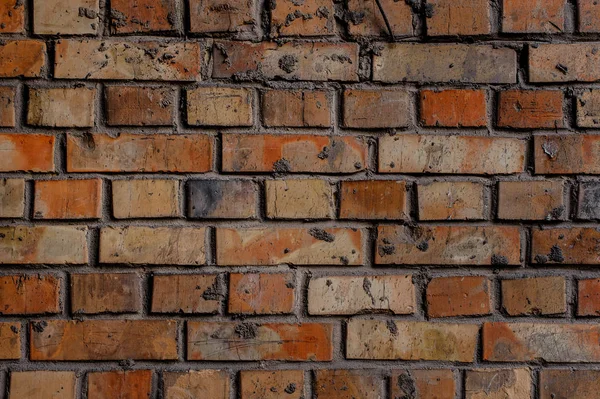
{"points": [[384, 250], [392, 327], [556, 254], [321, 235], [499, 260], [406, 385], [205, 196], [39, 326], [212, 293], [282, 166], [288, 63], [367, 288], [246, 330], [290, 389]]}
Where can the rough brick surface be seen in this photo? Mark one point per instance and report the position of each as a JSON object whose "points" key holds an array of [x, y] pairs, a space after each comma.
{"points": [[530, 109], [72, 17], [254, 293], [145, 199], [365, 19], [531, 200], [29, 294], [219, 106], [185, 294], [588, 294], [105, 293], [296, 108], [376, 108], [299, 199], [143, 16], [452, 201], [139, 106], [369, 199], [12, 198], [458, 17], [498, 383], [534, 296], [536, 16], [43, 385], [12, 16], [453, 108], [7, 106], [346, 384], [68, 199], [197, 384], [458, 296], [439, 384], [569, 383], [272, 384], [128, 384]]}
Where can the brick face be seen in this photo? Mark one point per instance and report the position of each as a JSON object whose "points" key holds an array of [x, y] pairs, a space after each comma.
{"points": [[453, 108], [139, 106], [105, 293], [462, 17], [380, 199], [296, 108], [7, 106], [43, 385], [29, 294], [68, 199], [458, 296], [12, 16], [376, 108]]}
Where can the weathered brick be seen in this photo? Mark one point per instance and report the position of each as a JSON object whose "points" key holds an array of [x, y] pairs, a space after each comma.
{"points": [[588, 297], [458, 296], [27, 152], [465, 63], [145, 198], [264, 384], [451, 154], [61, 107], [66, 17], [296, 246], [534, 296], [139, 153], [563, 384], [376, 108], [423, 384], [399, 340], [246, 341], [155, 246], [212, 384], [62, 340], [462, 17], [12, 16], [105, 293], [120, 60], [553, 343], [373, 199], [292, 61], [220, 106], [573, 62], [29, 294], [309, 18], [7, 105], [253, 293], [222, 199], [143, 16], [452, 201], [12, 198], [139, 106], [498, 384], [68, 199], [531, 109], [572, 246], [10, 341], [134, 384], [531, 200], [296, 108], [567, 154], [589, 15], [366, 19], [293, 153], [212, 16], [43, 244], [42, 385], [540, 16], [299, 199], [448, 245], [22, 58], [453, 108], [347, 384], [185, 293], [349, 295], [588, 109]]}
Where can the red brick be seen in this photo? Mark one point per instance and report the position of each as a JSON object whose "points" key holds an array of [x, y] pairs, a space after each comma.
{"points": [[7, 105], [293, 153], [250, 342], [571, 246], [531, 109], [213, 16], [567, 154], [10, 341], [588, 297], [452, 201], [213, 384], [309, 18], [376, 108], [498, 384], [61, 107], [458, 296], [462, 17], [61, 340], [531, 200], [12, 16], [139, 153], [105, 293], [220, 106], [12, 198], [134, 384], [589, 15], [145, 198], [66, 17], [143, 16], [559, 384], [373, 199], [253, 293], [186, 293], [68, 199], [296, 108], [263, 384], [534, 296], [299, 199], [539, 16], [573, 62], [453, 108], [367, 19], [347, 384], [22, 58], [222, 199], [29, 294], [43, 385], [448, 245], [434, 384], [139, 106], [27, 152], [297, 246]]}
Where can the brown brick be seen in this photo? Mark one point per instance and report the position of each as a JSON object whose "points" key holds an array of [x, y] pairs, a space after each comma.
{"points": [[453, 108], [43, 244], [546, 16], [29, 294], [296, 108], [373, 199], [145, 198], [186, 293], [139, 153], [68, 107], [376, 108], [458, 296], [589, 15], [293, 61], [368, 20], [451, 154], [588, 109], [588, 206], [62, 340], [66, 17], [299, 199], [297, 246], [452, 201], [126, 60], [531, 200], [531, 109], [43, 385], [225, 341], [399, 340], [253, 293], [212, 16], [448, 245], [10, 341], [573, 62], [534, 296], [22, 58], [212, 384], [68, 199], [12, 198], [27, 152], [462, 17], [574, 246], [139, 106], [309, 18], [7, 104], [222, 199], [563, 384], [105, 293], [465, 63], [349, 295], [220, 106], [134, 384], [567, 154], [434, 384], [293, 153], [12, 16], [588, 297], [155, 246], [143, 16], [263, 384], [498, 384], [347, 384]]}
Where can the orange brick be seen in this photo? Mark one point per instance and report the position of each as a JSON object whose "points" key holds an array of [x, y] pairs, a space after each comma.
{"points": [[222, 199], [139, 106], [145, 198], [347, 384], [588, 297], [373, 199], [254, 293], [105, 293], [458, 296], [214, 16], [439, 384], [12, 16], [453, 108], [143, 16], [589, 15], [263, 384], [366, 19], [571, 246], [531, 109], [296, 108], [308, 18], [66, 17], [7, 105], [135, 384], [299, 199], [213, 384], [10, 341], [43, 385], [584, 384], [220, 106], [539, 16], [534, 296], [462, 17], [567, 154], [22, 58], [498, 384], [531, 200], [68, 199], [185, 293], [12, 198], [452, 201], [376, 108], [27, 152], [29, 294]]}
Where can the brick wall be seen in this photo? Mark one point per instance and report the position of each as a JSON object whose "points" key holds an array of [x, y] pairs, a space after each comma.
{"points": [[299, 199]]}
